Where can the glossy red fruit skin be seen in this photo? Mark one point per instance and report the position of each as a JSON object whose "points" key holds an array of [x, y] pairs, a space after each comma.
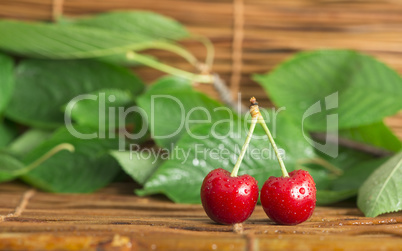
{"points": [[289, 200], [228, 200]]}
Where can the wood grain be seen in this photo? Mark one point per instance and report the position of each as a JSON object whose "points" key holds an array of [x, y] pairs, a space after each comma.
{"points": [[114, 218]]}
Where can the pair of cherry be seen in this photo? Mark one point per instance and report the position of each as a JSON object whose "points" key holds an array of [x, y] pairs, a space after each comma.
{"points": [[230, 199]]}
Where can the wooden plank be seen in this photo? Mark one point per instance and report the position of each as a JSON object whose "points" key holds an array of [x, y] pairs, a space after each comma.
{"points": [[114, 218]]}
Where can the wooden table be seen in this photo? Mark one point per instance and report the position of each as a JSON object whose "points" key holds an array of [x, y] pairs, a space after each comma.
{"points": [[115, 219]]}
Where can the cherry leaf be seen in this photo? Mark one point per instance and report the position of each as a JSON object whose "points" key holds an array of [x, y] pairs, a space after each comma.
{"points": [[10, 167], [44, 86], [85, 170], [381, 192], [6, 80], [138, 165]]}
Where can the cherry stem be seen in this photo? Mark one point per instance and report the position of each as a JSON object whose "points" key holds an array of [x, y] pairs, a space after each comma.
{"points": [[53, 151], [271, 139], [256, 113], [244, 148], [208, 79], [209, 59]]}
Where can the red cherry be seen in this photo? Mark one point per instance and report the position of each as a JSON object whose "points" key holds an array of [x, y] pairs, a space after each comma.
{"points": [[289, 200], [226, 199]]}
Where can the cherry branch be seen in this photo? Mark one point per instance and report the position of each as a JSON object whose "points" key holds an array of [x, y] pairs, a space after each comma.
{"points": [[351, 144]]}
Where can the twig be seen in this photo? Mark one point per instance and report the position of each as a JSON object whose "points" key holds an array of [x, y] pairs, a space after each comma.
{"points": [[237, 46], [372, 150], [322, 162], [226, 97], [21, 206]]}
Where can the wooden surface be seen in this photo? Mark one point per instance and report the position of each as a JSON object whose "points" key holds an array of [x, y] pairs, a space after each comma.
{"points": [[115, 219]]}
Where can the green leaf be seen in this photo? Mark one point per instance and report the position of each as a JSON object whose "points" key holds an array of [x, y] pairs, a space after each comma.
{"points": [[367, 89], [172, 111], [354, 177], [377, 134], [347, 158], [140, 165], [10, 167], [57, 41], [356, 165], [28, 141], [136, 22], [44, 86], [381, 192], [325, 197], [87, 169], [89, 113], [181, 176], [148, 24], [7, 134], [169, 83], [6, 80]]}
